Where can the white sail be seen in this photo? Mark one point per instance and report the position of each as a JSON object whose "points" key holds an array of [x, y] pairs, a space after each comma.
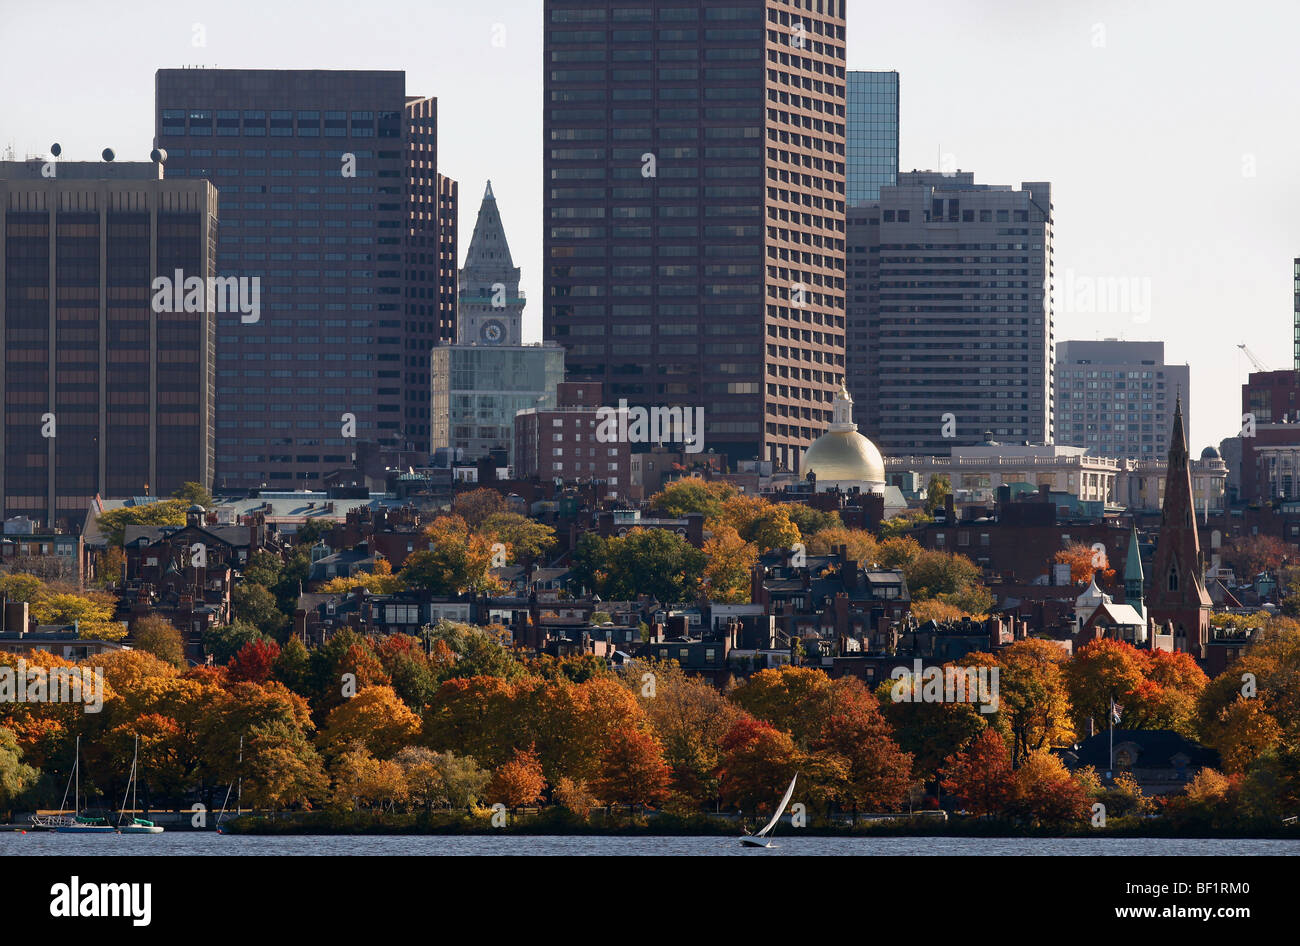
{"points": [[780, 809]]}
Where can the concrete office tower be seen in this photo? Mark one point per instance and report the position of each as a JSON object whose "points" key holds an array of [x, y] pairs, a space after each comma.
{"points": [[694, 210], [1117, 398], [862, 306], [108, 387], [330, 194], [872, 129], [479, 384], [958, 340]]}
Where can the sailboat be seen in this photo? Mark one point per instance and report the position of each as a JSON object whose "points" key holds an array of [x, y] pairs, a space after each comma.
{"points": [[239, 796], [75, 823], [137, 825], [761, 839]]}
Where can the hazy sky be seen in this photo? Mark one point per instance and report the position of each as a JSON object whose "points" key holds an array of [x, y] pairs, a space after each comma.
{"points": [[1168, 130]]}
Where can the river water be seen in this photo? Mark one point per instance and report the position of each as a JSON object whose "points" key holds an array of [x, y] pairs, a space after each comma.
{"points": [[205, 843]]}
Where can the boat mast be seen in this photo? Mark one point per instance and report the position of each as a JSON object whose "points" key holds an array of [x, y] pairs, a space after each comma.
{"points": [[134, 759], [76, 774], [239, 770]]}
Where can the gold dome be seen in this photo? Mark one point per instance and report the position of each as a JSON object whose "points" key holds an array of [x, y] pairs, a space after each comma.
{"points": [[844, 456]]}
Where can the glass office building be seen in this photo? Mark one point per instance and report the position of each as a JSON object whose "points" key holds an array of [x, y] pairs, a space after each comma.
{"points": [[872, 99]]}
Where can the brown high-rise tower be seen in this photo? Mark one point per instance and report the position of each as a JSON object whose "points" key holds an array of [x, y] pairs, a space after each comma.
{"points": [[695, 179], [1178, 593]]}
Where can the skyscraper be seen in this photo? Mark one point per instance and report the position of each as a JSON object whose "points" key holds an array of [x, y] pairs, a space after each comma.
{"points": [[328, 185], [694, 242], [108, 384], [1117, 398], [872, 125], [955, 320]]}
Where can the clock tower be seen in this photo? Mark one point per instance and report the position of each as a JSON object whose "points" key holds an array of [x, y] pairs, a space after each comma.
{"points": [[490, 307]]}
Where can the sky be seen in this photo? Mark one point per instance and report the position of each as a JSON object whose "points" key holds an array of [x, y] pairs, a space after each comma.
{"points": [[1167, 130]]}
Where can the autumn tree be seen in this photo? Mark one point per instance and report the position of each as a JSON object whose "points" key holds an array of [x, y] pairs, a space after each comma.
{"points": [[876, 772], [690, 717], [1045, 793], [376, 719], [757, 759], [930, 732], [361, 780], [1252, 554], [518, 781], [632, 770], [861, 544], [1033, 695], [728, 572], [255, 661], [1085, 561], [425, 786], [457, 560], [476, 505], [981, 775]]}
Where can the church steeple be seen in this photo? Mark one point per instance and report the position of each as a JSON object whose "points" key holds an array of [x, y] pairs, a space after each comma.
{"points": [[1178, 592]]}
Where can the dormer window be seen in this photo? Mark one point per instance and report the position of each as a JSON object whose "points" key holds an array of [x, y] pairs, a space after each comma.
{"points": [[1173, 579]]}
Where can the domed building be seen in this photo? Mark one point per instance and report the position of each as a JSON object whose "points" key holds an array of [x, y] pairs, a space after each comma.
{"points": [[842, 458]]}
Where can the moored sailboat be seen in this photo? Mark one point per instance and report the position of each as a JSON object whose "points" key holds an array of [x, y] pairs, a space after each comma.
{"points": [[137, 825], [76, 823]]}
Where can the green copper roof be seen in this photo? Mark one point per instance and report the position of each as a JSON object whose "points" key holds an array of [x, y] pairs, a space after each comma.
{"points": [[1133, 566]]}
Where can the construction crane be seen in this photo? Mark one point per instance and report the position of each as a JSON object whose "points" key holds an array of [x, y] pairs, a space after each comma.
{"points": [[1259, 365]]}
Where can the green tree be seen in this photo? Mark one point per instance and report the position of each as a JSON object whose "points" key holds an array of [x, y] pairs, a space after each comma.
{"points": [[225, 641], [195, 494], [811, 521], [645, 561], [693, 495], [15, 776], [936, 492], [156, 635], [528, 541], [166, 512], [255, 605]]}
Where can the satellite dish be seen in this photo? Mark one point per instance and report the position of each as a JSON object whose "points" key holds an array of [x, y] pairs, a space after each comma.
{"points": [[56, 149], [158, 156], [108, 154]]}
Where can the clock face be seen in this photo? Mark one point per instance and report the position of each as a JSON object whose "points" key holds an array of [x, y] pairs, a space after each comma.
{"points": [[493, 332]]}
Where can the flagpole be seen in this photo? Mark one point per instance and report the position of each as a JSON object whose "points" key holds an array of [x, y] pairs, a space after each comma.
{"points": [[1110, 719]]}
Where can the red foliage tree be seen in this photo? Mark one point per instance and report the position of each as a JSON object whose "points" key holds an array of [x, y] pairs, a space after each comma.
{"points": [[981, 774], [254, 662]]}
